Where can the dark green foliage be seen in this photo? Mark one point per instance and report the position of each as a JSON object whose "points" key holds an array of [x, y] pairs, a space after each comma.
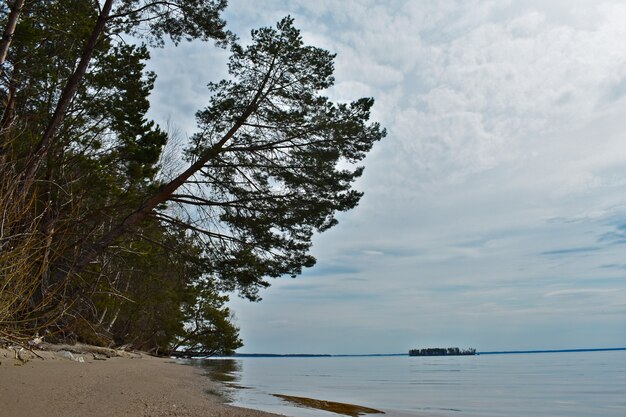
{"points": [[209, 330], [132, 259], [119, 89], [103, 161], [287, 170], [41, 59], [178, 19], [160, 300]]}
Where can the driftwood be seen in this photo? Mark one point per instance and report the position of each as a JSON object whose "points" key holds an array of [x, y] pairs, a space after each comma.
{"points": [[8, 341], [85, 349], [187, 354]]}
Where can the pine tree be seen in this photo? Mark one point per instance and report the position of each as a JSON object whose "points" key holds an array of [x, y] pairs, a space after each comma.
{"points": [[118, 254]]}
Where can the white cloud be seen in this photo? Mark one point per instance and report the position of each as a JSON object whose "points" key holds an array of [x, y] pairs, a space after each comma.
{"points": [[578, 292], [504, 165]]}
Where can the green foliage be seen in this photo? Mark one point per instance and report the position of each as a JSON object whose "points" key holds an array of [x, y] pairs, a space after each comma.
{"points": [[136, 260], [209, 330], [118, 90], [288, 168], [178, 19], [160, 300]]}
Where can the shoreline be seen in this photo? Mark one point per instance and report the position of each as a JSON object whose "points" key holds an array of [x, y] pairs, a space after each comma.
{"points": [[66, 385]]}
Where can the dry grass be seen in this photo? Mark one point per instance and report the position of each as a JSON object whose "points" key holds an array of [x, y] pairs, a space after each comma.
{"points": [[25, 254]]}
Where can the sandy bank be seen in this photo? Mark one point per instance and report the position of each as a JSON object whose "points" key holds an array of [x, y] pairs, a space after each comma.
{"points": [[119, 386]]}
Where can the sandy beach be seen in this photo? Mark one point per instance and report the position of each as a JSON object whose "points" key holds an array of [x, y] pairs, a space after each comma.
{"points": [[137, 385]]}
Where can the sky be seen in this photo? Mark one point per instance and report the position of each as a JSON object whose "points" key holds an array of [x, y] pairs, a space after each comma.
{"points": [[494, 213]]}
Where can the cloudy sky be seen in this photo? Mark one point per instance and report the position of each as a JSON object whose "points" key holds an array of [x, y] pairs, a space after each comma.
{"points": [[494, 213]]}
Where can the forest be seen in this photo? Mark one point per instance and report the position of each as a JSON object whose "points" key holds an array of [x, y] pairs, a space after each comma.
{"points": [[108, 235]]}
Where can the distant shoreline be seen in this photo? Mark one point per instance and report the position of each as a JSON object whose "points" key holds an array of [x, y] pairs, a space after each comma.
{"points": [[502, 352], [508, 352]]}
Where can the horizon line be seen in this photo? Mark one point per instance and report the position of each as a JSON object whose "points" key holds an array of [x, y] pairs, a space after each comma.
{"points": [[500, 352]]}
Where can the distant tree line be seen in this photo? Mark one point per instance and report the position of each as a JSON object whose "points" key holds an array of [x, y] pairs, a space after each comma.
{"points": [[107, 237], [451, 351]]}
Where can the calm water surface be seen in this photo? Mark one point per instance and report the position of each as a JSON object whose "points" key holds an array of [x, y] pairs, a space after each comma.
{"points": [[581, 384]]}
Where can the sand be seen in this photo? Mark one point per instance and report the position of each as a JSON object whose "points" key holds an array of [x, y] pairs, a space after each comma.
{"points": [[137, 385]]}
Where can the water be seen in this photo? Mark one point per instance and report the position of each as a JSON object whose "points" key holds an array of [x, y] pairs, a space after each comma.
{"points": [[546, 385]]}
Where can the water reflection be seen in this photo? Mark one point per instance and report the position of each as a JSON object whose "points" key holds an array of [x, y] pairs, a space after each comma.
{"points": [[227, 371]]}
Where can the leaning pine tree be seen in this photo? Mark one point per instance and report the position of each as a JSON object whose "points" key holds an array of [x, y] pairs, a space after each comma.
{"points": [[268, 167], [97, 243]]}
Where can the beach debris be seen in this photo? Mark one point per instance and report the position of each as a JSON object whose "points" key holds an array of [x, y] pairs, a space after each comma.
{"points": [[35, 342], [82, 349], [18, 353], [12, 343], [68, 355]]}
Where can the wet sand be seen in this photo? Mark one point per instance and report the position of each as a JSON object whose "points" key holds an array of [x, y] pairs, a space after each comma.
{"points": [[351, 410], [58, 386]]}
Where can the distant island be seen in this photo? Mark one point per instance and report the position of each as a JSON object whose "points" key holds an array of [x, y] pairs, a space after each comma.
{"points": [[452, 351]]}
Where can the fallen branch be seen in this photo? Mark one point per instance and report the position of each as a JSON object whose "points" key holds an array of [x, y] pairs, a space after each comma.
{"points": [[86, 349], [13, 341]]}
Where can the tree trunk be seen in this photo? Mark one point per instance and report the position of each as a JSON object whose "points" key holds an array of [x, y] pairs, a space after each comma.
{"points": [[165, 192], [9, 30], [7, 37], [9, 109], [146, 208], [68, 93]]}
